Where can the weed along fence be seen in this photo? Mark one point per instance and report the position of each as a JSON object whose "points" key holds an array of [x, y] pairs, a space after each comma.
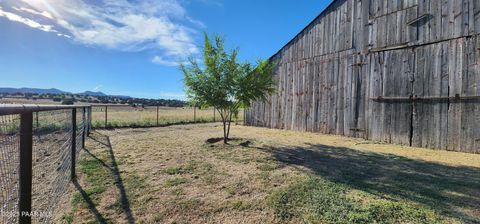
{"points": [[111, 116], [39, 146], [406, 72]]}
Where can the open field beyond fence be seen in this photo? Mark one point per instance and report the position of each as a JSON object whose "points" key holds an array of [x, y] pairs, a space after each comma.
{"points": [[127, 116], [185, 174], [117, 116]]}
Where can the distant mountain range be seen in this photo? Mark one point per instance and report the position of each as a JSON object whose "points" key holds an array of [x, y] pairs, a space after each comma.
{"points": [[53, 91], [91, 93], [31, 90]]}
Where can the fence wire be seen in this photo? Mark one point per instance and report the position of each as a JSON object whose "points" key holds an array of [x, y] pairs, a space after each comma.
{"points": [[52, 139], [51, 166], [115, 116], [52, 135], [81, 128], [9, 165]]}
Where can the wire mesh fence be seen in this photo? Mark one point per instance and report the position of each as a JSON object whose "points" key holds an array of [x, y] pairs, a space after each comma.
{"points": [[9, 164], [37, 157], [114, 116], [51, 160], [39, 146]]}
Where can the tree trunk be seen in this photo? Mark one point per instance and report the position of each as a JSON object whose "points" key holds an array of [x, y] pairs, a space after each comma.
{"points": [[225, 137], [229, 123], [224, 122]]}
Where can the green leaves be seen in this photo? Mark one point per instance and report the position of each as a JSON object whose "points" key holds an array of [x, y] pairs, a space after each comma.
{"points": [[257, 83], [224, 82]]}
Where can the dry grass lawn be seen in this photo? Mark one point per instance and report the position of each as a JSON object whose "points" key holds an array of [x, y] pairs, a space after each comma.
{"points": [[181, 174]]}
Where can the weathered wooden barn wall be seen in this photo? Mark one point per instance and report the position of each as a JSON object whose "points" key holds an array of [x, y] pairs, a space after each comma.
{"points": [[358, 50]]}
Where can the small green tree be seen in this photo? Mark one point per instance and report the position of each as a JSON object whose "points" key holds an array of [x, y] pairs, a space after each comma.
{"points": [[224, 83]]}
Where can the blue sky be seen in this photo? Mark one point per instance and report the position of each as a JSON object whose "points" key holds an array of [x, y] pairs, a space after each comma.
{"points": [[133, 47]]}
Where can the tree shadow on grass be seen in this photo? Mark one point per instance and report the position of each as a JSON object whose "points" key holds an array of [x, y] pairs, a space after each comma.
{"points": [[104, 141], [453, 191], [220, 139]]}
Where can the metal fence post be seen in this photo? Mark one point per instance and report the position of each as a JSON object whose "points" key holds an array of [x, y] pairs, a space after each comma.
{"points": [[25, 168], [157, 114], [84, 126], [194, 114], [74, 142], [106, 108]]}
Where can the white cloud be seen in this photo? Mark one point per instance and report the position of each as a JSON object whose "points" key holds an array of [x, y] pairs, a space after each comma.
{"points": [[166, 62], [32, 11], [64, 35], [97, 87], [31, 23], [173, 95], [162, 26], [196, 22]]}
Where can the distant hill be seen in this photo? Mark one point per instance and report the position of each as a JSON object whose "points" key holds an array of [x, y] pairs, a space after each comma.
{"points": [[86, 97], [31, 90], [121, 96], [91, 93], [53, 91]]}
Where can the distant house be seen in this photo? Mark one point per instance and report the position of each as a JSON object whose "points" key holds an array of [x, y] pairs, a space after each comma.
{"points": [[404, 72]]}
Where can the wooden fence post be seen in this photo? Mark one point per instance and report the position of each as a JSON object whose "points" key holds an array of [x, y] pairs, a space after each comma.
{"points": [[91, 114], [74, 142], [194, 114], [36, 119], [106, 108], [25, 169], [157, 114], [214, 119], [84, 128], [89, 120]]}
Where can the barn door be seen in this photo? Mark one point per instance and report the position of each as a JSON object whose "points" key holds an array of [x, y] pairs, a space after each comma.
{"points": [[429, 123], [437, 76], [355, 97], [446, 70], [390, 74]]}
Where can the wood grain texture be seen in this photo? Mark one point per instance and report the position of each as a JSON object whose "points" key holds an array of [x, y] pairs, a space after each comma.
{"points": [[361, 49]]}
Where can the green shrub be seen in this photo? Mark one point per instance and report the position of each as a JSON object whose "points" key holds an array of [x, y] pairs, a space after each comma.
{"points": [[68, 101]]}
